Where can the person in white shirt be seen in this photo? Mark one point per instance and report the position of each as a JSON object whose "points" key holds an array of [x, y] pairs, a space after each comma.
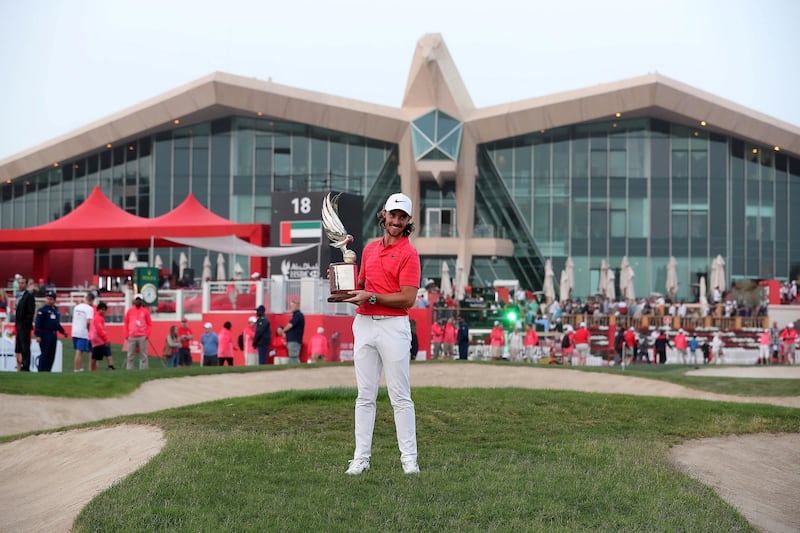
{"points": [[717, 296], [82, 316], [717, 349]]}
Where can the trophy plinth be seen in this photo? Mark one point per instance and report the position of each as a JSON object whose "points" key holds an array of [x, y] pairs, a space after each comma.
{"points": [[343, 276]]}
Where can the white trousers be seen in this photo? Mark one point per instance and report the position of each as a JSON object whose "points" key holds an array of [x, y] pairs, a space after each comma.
{"points": [[383, 344]]}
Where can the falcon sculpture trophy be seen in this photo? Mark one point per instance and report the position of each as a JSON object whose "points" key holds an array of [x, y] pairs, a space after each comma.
{"points": [[343, 275]]}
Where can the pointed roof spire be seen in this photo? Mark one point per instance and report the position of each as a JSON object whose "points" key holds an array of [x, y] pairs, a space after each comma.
{"points": [[434, 81]]}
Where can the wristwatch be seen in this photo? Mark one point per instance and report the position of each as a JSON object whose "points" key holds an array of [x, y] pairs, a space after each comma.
{"points": [[373, 299]]}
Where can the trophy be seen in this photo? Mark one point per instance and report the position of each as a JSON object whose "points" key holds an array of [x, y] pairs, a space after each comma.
{"points": [[343, 276]]}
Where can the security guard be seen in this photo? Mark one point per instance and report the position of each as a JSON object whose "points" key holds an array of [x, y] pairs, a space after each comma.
{"points": [[46, 327]]}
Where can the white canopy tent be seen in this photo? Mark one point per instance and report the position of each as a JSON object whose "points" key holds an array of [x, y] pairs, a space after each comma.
{"points": [[231, 244]]}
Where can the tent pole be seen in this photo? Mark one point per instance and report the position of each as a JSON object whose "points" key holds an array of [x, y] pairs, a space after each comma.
{"points": [[152, 242]]}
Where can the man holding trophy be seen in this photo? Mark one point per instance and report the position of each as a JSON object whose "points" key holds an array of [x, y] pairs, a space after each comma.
{"points": [[386, 286]]}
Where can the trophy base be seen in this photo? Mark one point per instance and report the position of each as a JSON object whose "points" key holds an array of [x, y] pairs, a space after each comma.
{"points": [[343, 278]]}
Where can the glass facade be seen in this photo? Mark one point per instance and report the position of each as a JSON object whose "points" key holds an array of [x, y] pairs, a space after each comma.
{"points": [[231, 165], [645, 189], [641, 188]]}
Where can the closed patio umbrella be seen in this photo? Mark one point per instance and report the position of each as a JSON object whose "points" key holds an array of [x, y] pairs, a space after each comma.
{"points": [[672, 278], [446, 286], [718, 274], [183, 264], [611, 291], [602, 283], [563, 287], [206, 268], [549, 288], [623, 276], [221, 267]]}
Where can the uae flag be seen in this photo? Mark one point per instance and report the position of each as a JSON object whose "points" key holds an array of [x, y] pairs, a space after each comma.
{"points": [[293, 231]]}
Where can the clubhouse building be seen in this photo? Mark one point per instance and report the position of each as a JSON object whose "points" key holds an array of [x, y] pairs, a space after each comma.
{"points": [[646, 168]]}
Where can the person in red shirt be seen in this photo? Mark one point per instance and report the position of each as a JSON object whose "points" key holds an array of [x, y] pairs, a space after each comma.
{"points": [[788, 339], [449, 339], [437, 338], [629, 346], [98, 337], [582, 344], [136, 329], [225, 353], [497, 340], [531, 342], [318, 347], [248, 334], [388, 283], [279, 351], [185, 336], [682, 346]]}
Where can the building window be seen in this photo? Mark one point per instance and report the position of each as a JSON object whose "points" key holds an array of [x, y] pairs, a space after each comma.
{"points": [[436, 136], [440, 222]]}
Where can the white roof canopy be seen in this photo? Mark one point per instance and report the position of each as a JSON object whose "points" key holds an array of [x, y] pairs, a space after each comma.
{"points": [[232, 244]]}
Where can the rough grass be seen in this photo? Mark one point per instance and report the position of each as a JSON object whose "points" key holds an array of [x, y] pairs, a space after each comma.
{"points": [[491, 460]]}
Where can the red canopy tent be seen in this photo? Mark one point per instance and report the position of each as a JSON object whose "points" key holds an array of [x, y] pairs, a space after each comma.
{"points": [[99, 223]]}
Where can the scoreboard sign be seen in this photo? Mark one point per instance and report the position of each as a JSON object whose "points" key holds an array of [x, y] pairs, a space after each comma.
{"points": [[297, 219]]}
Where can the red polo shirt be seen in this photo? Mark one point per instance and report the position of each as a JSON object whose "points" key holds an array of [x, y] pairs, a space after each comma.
{"points": [[582, 336], [384, 269]]}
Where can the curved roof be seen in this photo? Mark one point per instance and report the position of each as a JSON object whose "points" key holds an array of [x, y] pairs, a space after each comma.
{"points": [[433, 81]]}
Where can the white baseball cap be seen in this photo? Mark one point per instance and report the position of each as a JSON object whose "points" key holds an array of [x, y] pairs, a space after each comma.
{"points": [[207, 325], [398, 201], [252, 320]]}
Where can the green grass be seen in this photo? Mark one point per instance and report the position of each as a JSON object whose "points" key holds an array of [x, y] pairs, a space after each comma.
{"points": [[491, 460]]}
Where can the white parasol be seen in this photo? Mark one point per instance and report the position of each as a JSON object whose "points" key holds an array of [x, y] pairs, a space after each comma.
{"points": [[132, 258], [238, 271], [672, 278], [602, 283], [549, 288], [206, 269], [570, 268], [611, 291], [623, 276], [183, 264], [630, 290], [461, 280], [221, 268], [157, 262], [563, 287], [703, 296], [446, 286], [718, 274]]}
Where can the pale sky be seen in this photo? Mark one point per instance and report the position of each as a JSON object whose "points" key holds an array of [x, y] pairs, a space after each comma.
{"points": [[64, 63]]}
